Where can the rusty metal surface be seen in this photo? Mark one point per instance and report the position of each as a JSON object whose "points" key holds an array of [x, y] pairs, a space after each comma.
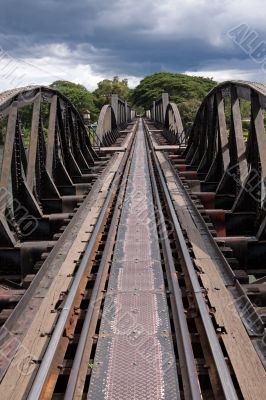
{"points": [[10, 94], [22, 316], [135, 356]]}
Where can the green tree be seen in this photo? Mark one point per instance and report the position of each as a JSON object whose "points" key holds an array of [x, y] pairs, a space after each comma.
{"points": [[107, 87], [186, 91], [188, 109], [79, 96]]}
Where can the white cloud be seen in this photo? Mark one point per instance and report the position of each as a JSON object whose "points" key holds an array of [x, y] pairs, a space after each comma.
{"points": [[228, 74], [231, 69], [58, 65], [101, 38]]}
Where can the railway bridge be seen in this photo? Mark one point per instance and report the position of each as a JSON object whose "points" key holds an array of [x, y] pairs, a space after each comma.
{"points": [[133, 257]]}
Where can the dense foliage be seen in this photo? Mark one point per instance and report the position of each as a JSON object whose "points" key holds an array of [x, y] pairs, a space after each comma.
{"points": [[85, 100], [103, 93], [186, 91], [79, 96]]}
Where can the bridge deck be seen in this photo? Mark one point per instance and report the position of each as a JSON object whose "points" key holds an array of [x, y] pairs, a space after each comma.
{"points": [[135, 356], [132, 261]]}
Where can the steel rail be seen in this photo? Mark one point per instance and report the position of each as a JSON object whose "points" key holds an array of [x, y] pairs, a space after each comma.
{"points": [[185, 351], [43, 371], [74, 377], [231, 281], [44, 271], [227, 274], [226, 382]]}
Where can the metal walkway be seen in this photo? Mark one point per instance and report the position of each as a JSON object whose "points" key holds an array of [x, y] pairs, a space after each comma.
{"points": [[135, 356]]}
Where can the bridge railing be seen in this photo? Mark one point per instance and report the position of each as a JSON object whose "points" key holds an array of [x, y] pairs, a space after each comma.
{"points": [[113, 118], [227, 151], [167, 117], [94, 138], [47, 162]]}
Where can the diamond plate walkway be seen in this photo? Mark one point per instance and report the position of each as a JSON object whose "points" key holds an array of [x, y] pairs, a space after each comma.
{"points": [[135, 356]]}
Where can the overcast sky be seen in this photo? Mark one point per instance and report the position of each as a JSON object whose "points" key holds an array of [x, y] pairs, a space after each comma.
{"points": [[88, 40]]}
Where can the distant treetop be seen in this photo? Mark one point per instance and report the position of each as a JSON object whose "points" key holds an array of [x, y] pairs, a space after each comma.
{"points": [[184, 90], [81, 98], [107, 87]]}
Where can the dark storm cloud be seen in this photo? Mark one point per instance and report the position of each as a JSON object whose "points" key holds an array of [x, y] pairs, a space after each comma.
{"points": [[129, 37]]}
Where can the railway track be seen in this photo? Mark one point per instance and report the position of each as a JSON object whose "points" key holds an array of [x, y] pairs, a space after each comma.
{"points": [[144, 277], [139, 320], [206, 246], [53, 187]]}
